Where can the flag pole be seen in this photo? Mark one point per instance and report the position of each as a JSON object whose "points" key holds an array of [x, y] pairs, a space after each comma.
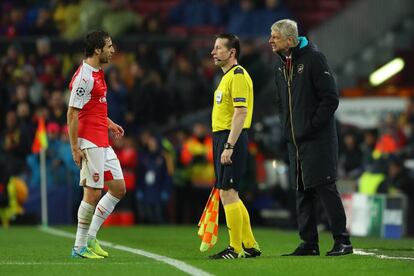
{"points": [[43, 187]]}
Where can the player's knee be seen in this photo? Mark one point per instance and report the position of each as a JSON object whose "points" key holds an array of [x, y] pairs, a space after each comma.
{"points": [[118, 190], [92, 196]]}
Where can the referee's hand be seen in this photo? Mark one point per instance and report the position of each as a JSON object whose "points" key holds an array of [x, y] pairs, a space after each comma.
{"points": [[226, 157]]}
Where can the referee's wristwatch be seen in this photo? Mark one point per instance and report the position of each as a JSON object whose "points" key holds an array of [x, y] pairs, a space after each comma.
{"points": [[228, 146]]}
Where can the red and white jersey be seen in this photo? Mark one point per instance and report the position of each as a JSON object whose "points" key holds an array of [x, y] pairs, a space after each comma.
{"points": [[88, 93]]}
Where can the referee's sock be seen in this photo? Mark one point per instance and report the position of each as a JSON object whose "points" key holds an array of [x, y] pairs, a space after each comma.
{"points": [[234, 220], [247, 233]]}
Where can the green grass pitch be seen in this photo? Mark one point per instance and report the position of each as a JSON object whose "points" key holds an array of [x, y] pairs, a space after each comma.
{"points": [[30, 251]]}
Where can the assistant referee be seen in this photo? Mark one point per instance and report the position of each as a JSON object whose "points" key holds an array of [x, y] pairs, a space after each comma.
{"points": [[231, 117]]}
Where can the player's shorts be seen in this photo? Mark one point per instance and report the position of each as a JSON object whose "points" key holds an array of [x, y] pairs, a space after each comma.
{"points": [[99, 165], [229, 176]]}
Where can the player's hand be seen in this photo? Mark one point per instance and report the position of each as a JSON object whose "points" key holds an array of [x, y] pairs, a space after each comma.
{"points": [[226, 156], [117, 130], [77, 155]]}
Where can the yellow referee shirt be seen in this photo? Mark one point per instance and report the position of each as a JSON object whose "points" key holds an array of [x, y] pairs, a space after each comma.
{"points": [[235, 89]]}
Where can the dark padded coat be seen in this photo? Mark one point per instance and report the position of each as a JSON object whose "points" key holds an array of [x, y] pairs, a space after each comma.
{"points": [[306, 101]]}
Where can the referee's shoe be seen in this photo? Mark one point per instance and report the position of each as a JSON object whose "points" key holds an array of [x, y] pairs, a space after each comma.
{"points": [[252, 252], [228, 253]]}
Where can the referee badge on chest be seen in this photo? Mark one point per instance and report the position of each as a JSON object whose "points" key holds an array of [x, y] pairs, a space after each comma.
{"points": [[219, 96]]}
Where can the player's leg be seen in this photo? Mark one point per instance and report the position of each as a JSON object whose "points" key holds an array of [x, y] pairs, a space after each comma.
{"points": [[116, 190], [91, 195], [85, 213]]}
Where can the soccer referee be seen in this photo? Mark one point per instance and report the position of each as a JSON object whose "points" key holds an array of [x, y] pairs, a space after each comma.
{"points": [[232, 116]]}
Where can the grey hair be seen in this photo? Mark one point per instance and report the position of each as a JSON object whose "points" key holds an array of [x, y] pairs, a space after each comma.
{"points": [[287, 29]]}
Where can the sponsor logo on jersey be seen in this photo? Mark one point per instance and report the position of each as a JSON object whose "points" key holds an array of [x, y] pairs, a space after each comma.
{"points": [[300, 68]]}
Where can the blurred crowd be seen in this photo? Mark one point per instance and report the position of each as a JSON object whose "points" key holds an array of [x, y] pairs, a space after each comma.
{"points": [[73, 18]]}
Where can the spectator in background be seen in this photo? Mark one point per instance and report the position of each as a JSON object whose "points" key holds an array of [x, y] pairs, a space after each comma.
{"points": [[54, 165], [392, 138], [273, 10], [15, 142], [350, 161], [153, 24], [242, 19], [118, 19], [57, 108], [151, 90], [43, 24], [116, 96], [190, 13], [186, 87], [368, 146], [29, 79], [14, 23], [197, 156], [67, 19], [153, 181]]}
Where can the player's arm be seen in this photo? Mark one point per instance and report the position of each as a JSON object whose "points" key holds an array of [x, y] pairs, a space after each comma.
{"points": [[116, 129], [72, 119]]}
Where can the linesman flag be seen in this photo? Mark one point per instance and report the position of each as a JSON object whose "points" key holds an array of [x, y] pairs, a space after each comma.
{"points": [[208, 224], [40, 140]]}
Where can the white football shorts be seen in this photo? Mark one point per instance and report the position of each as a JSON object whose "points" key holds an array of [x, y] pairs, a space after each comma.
{"points": [[98, 166]]}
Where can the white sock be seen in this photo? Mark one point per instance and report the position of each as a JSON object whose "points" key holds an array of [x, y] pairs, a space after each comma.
{"points": [[85, 213], [104, 208]]}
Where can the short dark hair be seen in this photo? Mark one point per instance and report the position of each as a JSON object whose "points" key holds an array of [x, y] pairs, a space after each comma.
{"points": [[232, 42], [95, 40]]}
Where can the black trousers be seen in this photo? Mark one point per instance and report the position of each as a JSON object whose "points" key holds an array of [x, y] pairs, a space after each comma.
{"points": [[306, 205]]}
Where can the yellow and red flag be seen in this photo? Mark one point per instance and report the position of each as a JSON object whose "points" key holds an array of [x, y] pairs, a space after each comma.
{"points": [[208, 224], [40, 140]]}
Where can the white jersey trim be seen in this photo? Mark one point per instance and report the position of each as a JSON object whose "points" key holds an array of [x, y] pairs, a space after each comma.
{"points": [[82, 87]]}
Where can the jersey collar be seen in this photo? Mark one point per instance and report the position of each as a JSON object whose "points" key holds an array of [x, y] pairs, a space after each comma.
{"points": [[90, 67], [231, 68]]}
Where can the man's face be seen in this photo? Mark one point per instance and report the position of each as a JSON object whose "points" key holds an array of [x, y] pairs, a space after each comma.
{"points": [[107, 51], [278, 43], [221, 55]]}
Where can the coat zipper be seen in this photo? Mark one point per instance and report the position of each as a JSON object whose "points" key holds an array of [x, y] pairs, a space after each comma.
{"points": [[288, 77]]}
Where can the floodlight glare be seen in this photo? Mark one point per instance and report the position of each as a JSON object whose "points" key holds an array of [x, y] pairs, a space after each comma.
{"points": [[387, 71]]}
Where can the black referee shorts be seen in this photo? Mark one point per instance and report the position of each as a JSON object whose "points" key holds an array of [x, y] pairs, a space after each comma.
{"points": [[229, 176]]}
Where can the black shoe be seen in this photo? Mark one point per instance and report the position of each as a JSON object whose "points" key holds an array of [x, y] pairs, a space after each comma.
{"points": [[227, 253], [340, 249], [305, 249], [252, 252]]}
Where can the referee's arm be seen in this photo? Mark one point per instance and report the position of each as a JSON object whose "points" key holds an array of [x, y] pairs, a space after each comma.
{"points": [[237, 123]]}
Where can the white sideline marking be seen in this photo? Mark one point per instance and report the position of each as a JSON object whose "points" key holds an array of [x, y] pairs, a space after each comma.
{"points": [[379, 256], [180, 265]]}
